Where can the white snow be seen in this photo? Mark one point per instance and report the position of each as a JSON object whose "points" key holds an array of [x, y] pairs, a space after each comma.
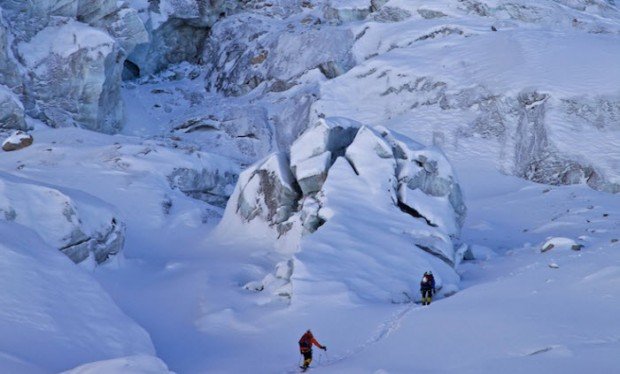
{"points": [[183, 297], [54, 315], [313, 165], [64, 40], [130, 365], [15, 138]]}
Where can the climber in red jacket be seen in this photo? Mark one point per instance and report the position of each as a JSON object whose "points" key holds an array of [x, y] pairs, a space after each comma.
{"points": [[305, 347]]}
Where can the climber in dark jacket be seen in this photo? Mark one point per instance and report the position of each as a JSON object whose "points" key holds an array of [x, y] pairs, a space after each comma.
{"points": [[427, 288]]}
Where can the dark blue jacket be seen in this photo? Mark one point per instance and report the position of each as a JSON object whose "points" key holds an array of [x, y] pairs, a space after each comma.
{"points": [[428, 282]]}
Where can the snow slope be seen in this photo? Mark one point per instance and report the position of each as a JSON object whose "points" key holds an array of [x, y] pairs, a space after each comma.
{"points": [[54, 315], [456, 78], [536, 98]]}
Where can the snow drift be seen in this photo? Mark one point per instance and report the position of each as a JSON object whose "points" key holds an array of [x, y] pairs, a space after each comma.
{"points": [[53, 314], [81, 228]]}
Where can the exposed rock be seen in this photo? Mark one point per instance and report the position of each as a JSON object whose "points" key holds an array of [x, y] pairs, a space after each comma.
{"points": [[101, 245], [11, 110], [340, 12], [420, 179], [475, 7], [18, 140], [9, 74], [391, 14], [175, 41], [178, 31], [67, 65], [92, 10], [26, 18]]}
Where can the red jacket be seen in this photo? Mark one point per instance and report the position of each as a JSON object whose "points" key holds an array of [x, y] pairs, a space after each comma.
{"points": [[306, 341]]}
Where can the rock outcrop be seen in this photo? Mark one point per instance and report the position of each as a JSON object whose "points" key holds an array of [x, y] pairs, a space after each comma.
{"points": [[277, 188], [18, 140]]}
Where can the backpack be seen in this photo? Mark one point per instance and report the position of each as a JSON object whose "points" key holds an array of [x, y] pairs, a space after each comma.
{"points": [[305, 343]]}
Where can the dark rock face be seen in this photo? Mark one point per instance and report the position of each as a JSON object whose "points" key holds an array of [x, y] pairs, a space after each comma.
{"points": [[244, 51]]}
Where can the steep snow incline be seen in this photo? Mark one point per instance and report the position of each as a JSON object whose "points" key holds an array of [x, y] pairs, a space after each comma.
{"points": [[351, 251], [53, 314]]}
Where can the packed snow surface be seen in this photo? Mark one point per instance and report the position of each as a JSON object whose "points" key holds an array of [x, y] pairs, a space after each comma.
{"points": [[185, 288], [502, 88], [53, 314]]}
